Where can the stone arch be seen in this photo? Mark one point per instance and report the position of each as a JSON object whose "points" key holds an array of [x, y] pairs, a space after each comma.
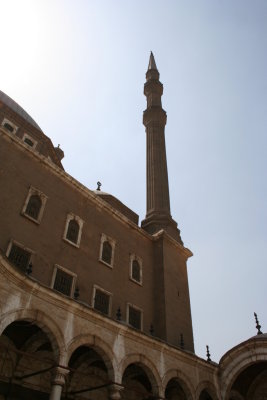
{"points": [[235, 395], [100, 346], [44, 322], [147, 365], [182, 379], [209, 387], [11, 358], [236, 361], [262, 377]]}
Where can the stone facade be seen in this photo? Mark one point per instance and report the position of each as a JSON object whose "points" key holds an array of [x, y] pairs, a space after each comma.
{"points": [[94, 306]]}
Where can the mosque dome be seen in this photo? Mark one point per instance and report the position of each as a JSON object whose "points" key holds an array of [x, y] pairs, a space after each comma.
{"points": [[5, 99]]}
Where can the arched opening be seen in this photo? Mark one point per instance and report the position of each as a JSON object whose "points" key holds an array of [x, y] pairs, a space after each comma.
{"points": [[251, 383], [73, 231], [204, 395], [107, 252], [34, 206], [136, 271], [174, 390], [88, 377], [27, 360], [136, 383]]}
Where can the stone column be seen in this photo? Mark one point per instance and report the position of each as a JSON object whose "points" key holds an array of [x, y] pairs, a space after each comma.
{"points": [[115, 392], [58, 382]]}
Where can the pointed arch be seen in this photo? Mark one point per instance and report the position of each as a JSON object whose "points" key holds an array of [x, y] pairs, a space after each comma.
{"points": [[209, 387], [44, 322], [236, 360], [148, 367], [100, 346], [183, 381]]}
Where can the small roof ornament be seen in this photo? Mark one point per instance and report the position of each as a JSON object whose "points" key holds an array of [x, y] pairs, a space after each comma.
{"points": [[118, 314], [182, 341], [258, 326], [152, 62], [208, 353], [99, 184]]}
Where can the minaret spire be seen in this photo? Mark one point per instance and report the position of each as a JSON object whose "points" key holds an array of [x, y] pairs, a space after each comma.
{"points": [[152, 62], [158, 202]]}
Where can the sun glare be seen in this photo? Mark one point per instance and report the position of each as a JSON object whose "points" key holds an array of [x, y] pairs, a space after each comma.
{"points": [[27, 27]]}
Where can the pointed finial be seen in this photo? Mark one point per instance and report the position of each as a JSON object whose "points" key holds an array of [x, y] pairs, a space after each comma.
{"points": [[258, 326], [29, 269], [76, 293], [152, 62], [182, 341], [118, 314], [208, 354]]}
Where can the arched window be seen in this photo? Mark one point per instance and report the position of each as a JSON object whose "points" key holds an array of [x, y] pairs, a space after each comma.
{"points": [[136, 271], [34, 206], [106, 252], [73, 231]]}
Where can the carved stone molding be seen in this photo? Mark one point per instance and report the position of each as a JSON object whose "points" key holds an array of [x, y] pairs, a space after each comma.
{"points": [[59, 376], [114, 391]]}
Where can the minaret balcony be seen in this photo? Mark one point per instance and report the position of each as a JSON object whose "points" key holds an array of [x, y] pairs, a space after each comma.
{"points": [[154, 115], [153, 86]]}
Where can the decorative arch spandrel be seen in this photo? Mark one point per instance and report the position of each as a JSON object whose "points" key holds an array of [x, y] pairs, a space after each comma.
{"points": [[148, 367], [44, 322], [100, 346]]}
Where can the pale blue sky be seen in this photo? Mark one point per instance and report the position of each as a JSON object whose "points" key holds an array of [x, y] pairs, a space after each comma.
{"points": [[78, 67]]}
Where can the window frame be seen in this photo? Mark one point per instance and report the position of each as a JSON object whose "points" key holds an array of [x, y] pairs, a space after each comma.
{"points": [[27, 136], [112, 242], [25, 248], [7, 121], [80, 222], [34, 192], [67, 271], [134, 257], [110, 295], [128, 314]]}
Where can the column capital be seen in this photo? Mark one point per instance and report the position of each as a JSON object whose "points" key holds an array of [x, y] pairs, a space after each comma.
{"points": [[59, 375], [114, 391]]}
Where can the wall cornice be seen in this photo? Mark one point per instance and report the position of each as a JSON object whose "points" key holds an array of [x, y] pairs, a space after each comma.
{"points": [[89, 194], [23, 284]]}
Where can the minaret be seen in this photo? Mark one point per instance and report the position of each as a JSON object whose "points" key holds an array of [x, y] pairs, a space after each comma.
{"points": [[158, 214]]}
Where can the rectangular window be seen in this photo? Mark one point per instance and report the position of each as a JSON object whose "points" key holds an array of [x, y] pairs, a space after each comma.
{"points": [[29, 140], [9, 126], [135, 317], [63, 282], [19, 257], [102, 301]]}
